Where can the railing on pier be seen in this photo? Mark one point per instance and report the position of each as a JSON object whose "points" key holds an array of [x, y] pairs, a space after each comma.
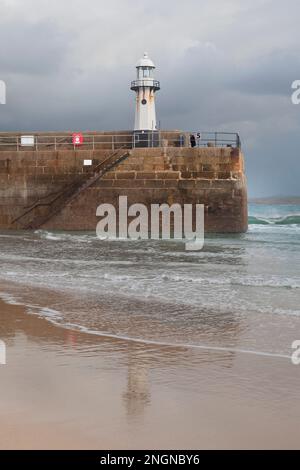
{"points": [[114, 141]]}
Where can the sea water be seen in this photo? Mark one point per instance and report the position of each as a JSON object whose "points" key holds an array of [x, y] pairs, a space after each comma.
{"points": [[240, 293]]}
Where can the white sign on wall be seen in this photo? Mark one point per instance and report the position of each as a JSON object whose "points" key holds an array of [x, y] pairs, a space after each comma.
{"points": [[27, 140]]}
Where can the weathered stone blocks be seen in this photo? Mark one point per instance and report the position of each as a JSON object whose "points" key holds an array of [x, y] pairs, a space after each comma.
{"points": [[211, 176]]}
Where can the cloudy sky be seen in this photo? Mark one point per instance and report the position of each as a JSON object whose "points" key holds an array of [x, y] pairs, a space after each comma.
{"points": [[223, 65]]}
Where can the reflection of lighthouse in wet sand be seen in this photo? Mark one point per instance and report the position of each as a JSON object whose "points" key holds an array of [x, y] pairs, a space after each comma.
{"points": [[137, 395], [145, 126]]}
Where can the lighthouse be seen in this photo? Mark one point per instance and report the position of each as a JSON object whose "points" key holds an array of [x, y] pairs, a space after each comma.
{"points": [[145, 126]]}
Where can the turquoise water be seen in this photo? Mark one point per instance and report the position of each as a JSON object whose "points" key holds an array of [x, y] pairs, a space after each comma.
{"points": [[240, 293], [285, 214]]}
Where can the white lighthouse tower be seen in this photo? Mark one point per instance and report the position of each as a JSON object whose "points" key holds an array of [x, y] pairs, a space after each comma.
{"points": [[145, 126]]}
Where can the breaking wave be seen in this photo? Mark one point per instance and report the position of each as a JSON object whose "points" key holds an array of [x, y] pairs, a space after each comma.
{"points": [[291, 219]]}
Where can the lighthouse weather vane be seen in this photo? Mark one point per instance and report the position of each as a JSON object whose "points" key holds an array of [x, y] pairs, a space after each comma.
{"points": [[145, 86]]}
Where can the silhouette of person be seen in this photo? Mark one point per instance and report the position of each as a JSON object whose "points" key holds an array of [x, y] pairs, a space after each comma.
{"points": [[193, 141]]}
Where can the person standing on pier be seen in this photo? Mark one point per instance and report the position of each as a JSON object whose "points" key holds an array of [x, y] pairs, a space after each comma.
{"points": [[193, 141]]}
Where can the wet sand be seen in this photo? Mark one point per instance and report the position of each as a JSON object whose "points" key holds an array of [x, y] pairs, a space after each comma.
{"points": [[63, 389]]}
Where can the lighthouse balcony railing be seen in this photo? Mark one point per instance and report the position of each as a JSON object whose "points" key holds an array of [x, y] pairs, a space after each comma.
{"points": [[113, 141], [145, 82]]}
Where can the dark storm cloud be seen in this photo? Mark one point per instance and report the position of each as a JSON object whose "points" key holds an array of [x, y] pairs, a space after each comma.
{"points": [[222, 65]]}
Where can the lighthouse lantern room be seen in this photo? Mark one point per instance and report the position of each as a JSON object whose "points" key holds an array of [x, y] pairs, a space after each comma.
{"points": [[145, 86]]}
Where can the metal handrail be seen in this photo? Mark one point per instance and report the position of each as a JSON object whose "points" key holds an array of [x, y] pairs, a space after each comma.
{"points": [[145, 82], [75, 187], [117, 141]]}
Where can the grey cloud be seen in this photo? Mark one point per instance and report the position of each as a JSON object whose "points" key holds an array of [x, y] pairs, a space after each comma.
{"points": [[32, 48], [269, 75], [70, 68]]}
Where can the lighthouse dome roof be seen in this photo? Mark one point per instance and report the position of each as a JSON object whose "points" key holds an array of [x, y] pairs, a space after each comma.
{"points": [[145, 61]]}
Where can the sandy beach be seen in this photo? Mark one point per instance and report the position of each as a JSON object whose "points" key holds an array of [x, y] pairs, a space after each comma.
{"points": [[149, 229], [66, 389]]}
